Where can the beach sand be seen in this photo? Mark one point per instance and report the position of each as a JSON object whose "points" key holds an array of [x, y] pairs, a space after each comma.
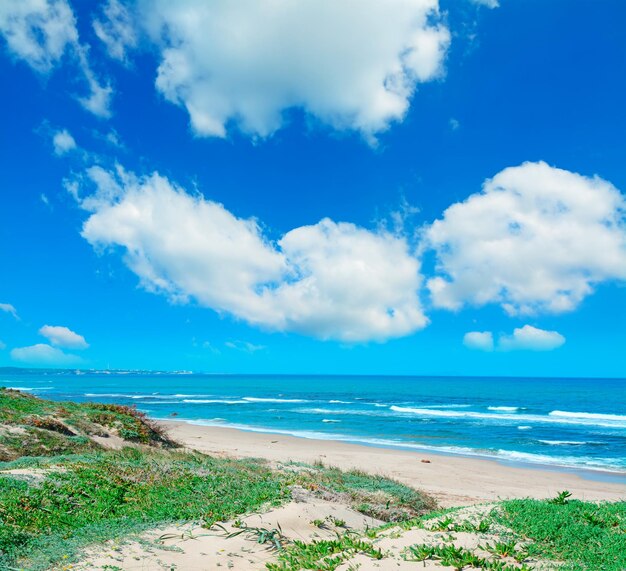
{"points": [[452, 480]]}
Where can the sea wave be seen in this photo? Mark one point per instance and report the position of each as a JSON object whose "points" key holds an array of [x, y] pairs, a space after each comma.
{"points": [[580, 462], [330, 420], [275, 400], [565, 442], [588, 416], [504, 408], [585, 419], [215, 401]]}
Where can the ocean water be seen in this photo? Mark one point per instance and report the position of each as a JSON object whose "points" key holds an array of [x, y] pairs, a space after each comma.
{"points": [[573, 423]]}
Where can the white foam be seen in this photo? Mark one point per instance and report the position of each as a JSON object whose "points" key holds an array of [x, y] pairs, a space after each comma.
{"points": [[21, 389], [589, 416], [504, 408], [330, 420], [588, 419], [524, 428], [215, 401], [275, 400], [564, 442]]}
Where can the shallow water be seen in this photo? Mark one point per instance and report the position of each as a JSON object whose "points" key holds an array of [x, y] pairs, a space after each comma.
{"points": [[577, 423]]}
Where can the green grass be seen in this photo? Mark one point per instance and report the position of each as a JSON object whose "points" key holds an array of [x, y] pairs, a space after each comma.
{"points": [[371, 495], [109, 494], [583, 535], [30, 426], [78, 493], [323, 554]]}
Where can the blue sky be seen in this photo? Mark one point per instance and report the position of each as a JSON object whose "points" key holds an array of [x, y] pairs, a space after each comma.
{"points": [[396, 187]]}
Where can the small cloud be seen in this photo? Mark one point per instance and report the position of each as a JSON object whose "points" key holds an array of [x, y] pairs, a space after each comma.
{"points": [[63, 337], [532, 339], [491, 4], [44, 199], [116, 30], [479, 340], [244, 346], [63, 142], [42, 354], [454, 123], [8, 308], [3, 345], [209, 347]]}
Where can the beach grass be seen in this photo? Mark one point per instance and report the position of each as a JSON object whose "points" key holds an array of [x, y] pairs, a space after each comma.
{"points": [[583, 535], [61, 490]]}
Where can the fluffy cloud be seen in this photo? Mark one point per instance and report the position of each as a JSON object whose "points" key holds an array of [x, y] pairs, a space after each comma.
{"points": [[63, 337], [523, 338], [329, 280], [537, 238], [40, 33], [116, 30], [63, 142], [42, 354], [479, 340], [531, 338], [8, 308], [352, 64]]}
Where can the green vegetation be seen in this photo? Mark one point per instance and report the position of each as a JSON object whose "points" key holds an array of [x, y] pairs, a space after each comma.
{"points": [[30, 426], [584, 535], [323, 554], [108, 494], [375, 496], [458, 558], [61, 490]]}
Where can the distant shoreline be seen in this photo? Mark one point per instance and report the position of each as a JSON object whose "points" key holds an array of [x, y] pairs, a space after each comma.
{"points": [[452, 479]]}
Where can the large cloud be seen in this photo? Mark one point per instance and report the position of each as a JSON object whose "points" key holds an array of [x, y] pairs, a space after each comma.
{"points": [[537, 238], [61, 336], [330, 280], [353, 64], [42, 354], [531, 338], [40, 33]]}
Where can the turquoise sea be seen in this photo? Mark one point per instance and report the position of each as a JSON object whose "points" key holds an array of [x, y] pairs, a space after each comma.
{"points": [[573, 423]]}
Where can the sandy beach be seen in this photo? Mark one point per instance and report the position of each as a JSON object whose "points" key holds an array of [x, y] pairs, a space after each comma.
{"points": [[452, 480]]}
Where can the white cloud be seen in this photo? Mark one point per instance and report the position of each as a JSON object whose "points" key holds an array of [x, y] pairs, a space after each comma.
{"points": [[536, 239], [244, 346], [531, 338], [116, 30], [63, 337], [63, 142], [488, 3], [330, 280], [3, 345], [8, 308], [42, 354], [40, 33], [479, 340], [353, 64]]}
